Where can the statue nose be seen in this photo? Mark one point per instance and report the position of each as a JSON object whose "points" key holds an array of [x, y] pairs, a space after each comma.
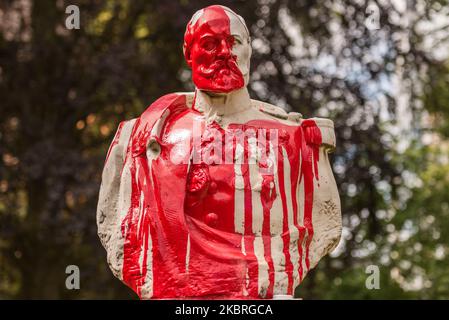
{"points": [[225, 50]]}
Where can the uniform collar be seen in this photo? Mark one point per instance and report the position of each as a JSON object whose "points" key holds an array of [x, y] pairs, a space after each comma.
{"points": [[234, 102]]}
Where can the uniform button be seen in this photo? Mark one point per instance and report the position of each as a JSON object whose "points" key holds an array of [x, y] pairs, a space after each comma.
{"points": [[212, 187], [211, 219]]}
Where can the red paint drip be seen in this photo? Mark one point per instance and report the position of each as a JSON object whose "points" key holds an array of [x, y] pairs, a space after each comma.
{"points": [[294, 180], [268, 195], [151, 210], [309, 137], [309, 169]]}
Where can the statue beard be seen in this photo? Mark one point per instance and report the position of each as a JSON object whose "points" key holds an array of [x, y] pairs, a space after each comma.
{"points": [[222, 75]]}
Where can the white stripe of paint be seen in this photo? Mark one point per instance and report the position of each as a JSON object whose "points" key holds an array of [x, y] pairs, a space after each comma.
{"points": [[277, 213], [239, 205], [188, 253], [245, 287], [262, 274], [141, 209], [257, 218], [277, 254], [239, 194], [148, 285], [293, 230], [139, 234], [277, 245], [255, 179], [280, 276], [303, 258]]}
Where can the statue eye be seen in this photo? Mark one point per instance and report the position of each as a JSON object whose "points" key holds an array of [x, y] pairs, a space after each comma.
{"points": [[208, 44], [235, 40]]}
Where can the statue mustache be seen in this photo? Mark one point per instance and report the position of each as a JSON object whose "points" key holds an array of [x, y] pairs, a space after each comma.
{"points": [[221, 66]]}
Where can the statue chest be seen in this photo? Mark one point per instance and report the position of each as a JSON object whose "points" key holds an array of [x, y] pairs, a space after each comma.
{"points": [[247, 178]]}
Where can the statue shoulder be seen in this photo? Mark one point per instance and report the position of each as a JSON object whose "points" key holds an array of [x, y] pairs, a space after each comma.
{"points": [[326, 127], [170, 100], [188, 96], [276, 112], [319, 122], [269, 109]]}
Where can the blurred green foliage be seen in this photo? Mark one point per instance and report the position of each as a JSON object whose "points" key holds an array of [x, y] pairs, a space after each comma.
{"points": [[63, 93]]}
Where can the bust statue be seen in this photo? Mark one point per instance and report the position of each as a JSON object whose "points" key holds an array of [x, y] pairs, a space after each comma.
{"points": [[212, 194]]}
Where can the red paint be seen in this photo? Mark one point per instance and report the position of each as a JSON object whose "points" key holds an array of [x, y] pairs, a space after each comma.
{"points": [[217, 194], [157, 216], [294, 181], [181, 217], [311, 141], [268, 195], [208, 51]]}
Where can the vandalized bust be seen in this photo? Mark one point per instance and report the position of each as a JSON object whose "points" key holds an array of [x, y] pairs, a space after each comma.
{"points": [[214, 195]]}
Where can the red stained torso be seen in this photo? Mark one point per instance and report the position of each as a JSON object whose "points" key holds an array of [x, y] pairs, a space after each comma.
{"points": [[195, 214], [210, 189]]}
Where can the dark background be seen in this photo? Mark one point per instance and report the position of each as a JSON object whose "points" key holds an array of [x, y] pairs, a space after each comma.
{"points": [[63, 93]]}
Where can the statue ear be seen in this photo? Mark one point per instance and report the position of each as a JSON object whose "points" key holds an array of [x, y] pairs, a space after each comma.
{"points": [[188, 58]]}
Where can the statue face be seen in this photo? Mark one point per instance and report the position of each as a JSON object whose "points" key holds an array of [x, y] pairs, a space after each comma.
{"points": [[220, 50]]}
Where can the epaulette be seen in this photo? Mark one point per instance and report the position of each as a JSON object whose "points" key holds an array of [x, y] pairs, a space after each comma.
{"points": [[277, 112], [326, 127]]}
